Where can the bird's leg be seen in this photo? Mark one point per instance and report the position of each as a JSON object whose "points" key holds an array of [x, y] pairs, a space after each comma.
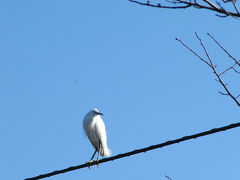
{"points": [[98, 155], [98, 160], [91, 159], [93, 155]]}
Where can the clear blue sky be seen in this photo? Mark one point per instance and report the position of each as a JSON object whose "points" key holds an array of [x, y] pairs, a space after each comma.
{"points": [[59, 59]]}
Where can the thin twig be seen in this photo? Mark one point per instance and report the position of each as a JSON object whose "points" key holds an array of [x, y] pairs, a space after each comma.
{"points": [[237, 62], [168, 177], [196, 54], [235, 6], [160, 6], [231, 67], [236, 71], [211, 4], [137, 151], [224, 94], [205, 50]]}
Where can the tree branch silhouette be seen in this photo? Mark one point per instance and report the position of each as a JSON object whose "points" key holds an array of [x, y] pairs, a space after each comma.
{"points": [[210, 63], [204, 4], [137, 151]]}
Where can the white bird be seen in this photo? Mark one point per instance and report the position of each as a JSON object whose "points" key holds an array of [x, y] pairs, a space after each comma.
{"points": [[94, 128]]}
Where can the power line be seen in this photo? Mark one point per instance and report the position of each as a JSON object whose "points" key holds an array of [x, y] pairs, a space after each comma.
{"points": [[137, 151]]}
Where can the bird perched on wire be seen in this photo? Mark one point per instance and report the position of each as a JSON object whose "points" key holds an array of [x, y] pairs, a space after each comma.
{"points": [[95, 130]]}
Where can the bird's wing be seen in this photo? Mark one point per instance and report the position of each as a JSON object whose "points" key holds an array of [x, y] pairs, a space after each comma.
{"points": [[88, 125], [100, 131]]}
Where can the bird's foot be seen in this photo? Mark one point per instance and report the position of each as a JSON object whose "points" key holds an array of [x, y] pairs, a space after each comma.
{"points": [[89, 164], [97, 163]]}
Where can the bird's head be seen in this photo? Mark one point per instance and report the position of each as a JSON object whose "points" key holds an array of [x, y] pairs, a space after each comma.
{"points": [[95, 112]]}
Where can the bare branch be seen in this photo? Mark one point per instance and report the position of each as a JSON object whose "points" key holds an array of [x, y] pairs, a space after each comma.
{"points": [[209, 62], [160, 6], [137, 151], [183, 4]]}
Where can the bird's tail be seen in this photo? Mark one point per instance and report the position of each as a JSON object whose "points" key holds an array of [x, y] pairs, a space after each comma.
{"points": [[105, 151]]}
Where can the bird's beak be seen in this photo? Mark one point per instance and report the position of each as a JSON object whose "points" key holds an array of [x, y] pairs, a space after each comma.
{"points": [[99, 113]]}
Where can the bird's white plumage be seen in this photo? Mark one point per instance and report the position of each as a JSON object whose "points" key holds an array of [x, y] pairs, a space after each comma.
{"points": [[95, 130]]}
